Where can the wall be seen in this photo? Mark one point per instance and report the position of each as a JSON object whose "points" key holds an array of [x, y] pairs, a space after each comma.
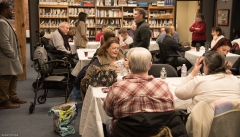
{"points": [[185, 16], [226, 5]]}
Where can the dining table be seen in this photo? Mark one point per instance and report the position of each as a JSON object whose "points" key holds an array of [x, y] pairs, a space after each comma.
{"points": [[192, 55], [93, 115], [84, 55]]}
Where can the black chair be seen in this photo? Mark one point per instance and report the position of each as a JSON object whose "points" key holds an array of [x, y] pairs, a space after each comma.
{"points": [[163, 56], [156, 68], [144, 124]]}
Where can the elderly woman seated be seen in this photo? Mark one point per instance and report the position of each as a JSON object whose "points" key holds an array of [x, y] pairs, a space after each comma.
{"points": [[214, 85]]}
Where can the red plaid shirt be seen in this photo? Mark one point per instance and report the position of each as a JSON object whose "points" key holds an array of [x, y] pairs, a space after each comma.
{"points": [[137, 94]]}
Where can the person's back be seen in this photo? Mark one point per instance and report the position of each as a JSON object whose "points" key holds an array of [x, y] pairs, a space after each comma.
{"points": [[137, 92], [216, 83], [215, 87]]}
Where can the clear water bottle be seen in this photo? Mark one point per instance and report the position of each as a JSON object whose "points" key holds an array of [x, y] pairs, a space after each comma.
{"points": [[163, 73], [183, 71]]}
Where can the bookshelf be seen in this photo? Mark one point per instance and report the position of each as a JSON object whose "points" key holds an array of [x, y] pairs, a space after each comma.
{"points": [[118, 16], [50, 16], [160, 16]]}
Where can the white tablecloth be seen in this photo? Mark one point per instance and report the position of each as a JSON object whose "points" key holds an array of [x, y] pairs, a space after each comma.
{"points": [[93, 114], [90, 45], [153, 46], [83, 61], [192, 56]]}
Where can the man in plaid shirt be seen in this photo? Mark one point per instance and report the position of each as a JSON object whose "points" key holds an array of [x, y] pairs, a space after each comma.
{"points": [[137, 92]]}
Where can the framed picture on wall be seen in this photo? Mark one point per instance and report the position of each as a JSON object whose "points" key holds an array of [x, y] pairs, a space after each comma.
{"points": [[223, 17]]}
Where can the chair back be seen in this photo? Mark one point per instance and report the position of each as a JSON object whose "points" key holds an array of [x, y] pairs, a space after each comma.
{"points": [[156, 68], [226, 124], [146, 124], [162, 53]]}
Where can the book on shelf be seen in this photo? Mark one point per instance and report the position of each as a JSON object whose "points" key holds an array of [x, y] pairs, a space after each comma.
{"points": [[122, 1], [132, 5], [107, 2]]}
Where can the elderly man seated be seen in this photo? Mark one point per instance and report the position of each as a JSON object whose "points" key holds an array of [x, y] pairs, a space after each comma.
{"points": [[137, 92], [59, 38]]}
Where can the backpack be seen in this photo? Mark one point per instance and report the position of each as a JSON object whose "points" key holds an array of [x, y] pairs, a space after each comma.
{"points": [[42, 57]]}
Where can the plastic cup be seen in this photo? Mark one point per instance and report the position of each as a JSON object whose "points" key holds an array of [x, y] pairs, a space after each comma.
{"points": [[85, 53]]}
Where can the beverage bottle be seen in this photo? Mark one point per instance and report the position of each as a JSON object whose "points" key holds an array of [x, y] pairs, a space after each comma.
{"points": [[163, 73], [183, 71]]}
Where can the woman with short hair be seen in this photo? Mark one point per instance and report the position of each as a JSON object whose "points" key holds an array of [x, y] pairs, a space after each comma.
{"points": [[198, 30], [216, 83]]}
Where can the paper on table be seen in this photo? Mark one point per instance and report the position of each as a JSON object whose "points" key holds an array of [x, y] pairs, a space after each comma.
{"points": [[123, 70]]}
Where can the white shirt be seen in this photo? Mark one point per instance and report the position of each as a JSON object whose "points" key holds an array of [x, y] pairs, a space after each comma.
{"points": [[213, 42], [208, 87]]}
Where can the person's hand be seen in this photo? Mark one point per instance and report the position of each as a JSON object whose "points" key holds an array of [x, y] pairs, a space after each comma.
{"points": [[70, 40], [126, 46], [228, 71], [120, 38], [134, 27], [197, 28], [229, 64], [197, 66]]}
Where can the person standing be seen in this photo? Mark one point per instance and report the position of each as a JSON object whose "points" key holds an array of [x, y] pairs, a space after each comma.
{"points": [[10, 61], [81, 39], [98, 36], [198, 30], [142, 33]]}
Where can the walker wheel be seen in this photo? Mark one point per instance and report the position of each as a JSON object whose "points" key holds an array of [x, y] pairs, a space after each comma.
{"points": [[41, 99], [31, 108]]}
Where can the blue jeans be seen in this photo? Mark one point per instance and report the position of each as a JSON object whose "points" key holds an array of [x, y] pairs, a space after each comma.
{"points": [[74, 94]]}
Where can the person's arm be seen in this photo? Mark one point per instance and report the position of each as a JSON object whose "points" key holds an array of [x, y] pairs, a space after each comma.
{"points": [[176, 46], [58, 42], [5, 46], [202, 29], [108, 103], [185, 90], [145, 37], [192, 28]]}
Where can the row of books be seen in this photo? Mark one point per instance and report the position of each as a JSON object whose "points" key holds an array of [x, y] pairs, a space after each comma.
{"points": [[160, 22], [51, 23], [52, 12], [75, 11], [155, 32], [110, 22], [109, 13], [168, 2]]}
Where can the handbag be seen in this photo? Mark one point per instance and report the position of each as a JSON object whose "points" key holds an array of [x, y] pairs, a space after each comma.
{"points": [[103, 76]]}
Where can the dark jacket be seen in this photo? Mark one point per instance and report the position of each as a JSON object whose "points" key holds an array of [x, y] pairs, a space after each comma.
{"points": [[172, 47], [144, 124], [141, 35]]}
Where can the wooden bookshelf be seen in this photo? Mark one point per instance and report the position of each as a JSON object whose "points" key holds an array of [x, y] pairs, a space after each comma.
{"points": [[119, 16]]}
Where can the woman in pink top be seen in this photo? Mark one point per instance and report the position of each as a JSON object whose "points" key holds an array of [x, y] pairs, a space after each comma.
{"points": [[198, 30]]}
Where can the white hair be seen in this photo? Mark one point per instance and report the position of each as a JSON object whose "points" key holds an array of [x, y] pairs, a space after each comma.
{"points": [[140, 59], [62, 24]]}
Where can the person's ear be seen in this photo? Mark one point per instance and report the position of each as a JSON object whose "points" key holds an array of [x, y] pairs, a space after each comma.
{"points": [[150, 65]]}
